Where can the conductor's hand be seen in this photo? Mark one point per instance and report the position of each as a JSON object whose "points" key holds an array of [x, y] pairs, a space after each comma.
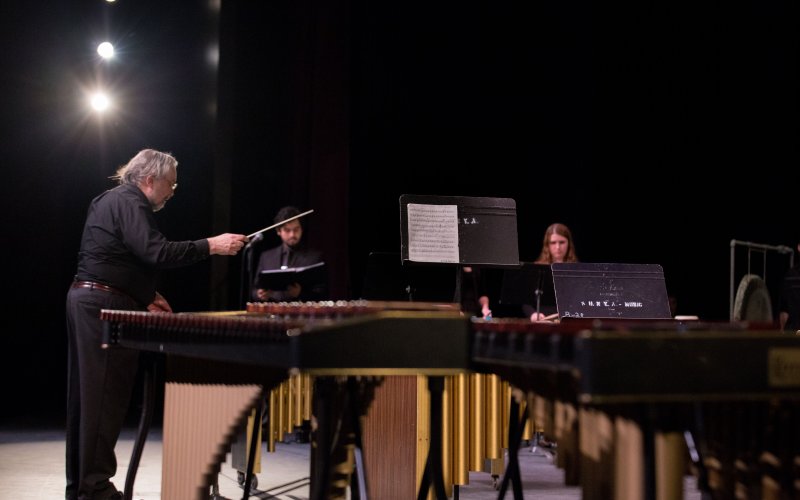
{"points": [[159, 304], [226, 244]]}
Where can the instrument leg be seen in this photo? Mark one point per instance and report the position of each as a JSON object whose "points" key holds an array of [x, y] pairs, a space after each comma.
{"points": [[515, 430], [359, 484], [321, 439], [148, 400], [254, 443], [697, 441], [332, 439]]}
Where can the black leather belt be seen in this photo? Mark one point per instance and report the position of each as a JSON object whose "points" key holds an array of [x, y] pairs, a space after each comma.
{"points": [[92, 285]]}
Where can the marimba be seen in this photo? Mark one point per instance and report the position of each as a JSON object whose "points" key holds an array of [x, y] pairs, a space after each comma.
{"points": [[610, 393], [622, 396], [220, 363]]}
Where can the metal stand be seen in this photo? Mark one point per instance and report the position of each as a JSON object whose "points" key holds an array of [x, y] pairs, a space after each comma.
{"points": [[148, 400], [251, 456], [515, 429], [338, 424], [751, 248]]}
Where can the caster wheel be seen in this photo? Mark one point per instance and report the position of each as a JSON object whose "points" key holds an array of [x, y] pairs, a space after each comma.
{"points": [[240, 478]]}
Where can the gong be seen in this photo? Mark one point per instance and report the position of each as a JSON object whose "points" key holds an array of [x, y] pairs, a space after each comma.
{"points": [[752, 302]]}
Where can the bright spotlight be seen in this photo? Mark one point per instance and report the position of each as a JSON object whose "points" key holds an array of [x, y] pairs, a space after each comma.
{"points": [[100, 101], [106, 50], [212, 55]]}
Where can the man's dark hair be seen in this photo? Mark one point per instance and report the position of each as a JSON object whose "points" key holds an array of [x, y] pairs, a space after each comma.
{"points": [[286, 213]]}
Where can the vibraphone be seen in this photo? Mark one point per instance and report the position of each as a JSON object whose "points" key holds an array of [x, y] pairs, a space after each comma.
{"points": [[621, 398], [220, 363]]}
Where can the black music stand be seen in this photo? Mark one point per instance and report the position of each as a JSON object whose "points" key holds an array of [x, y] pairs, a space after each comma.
{"points": [[619, 291], [530, 284], [280, 279], [454, 231], [386, 278], [467, 231]]}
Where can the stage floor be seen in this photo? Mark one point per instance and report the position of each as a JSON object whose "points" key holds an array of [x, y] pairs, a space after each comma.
{"points": [[32, 467]]}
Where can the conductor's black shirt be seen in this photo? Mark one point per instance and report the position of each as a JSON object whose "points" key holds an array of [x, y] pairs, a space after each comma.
{"points": [[122, 247]]}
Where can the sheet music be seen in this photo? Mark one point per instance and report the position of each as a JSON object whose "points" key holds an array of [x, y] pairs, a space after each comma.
{"points": [[433, 233]]}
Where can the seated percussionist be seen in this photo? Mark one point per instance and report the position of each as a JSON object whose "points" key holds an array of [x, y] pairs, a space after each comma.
{"points": [[291, 253]]}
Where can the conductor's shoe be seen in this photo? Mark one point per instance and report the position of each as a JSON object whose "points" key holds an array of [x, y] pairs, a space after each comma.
{"points": [[107, 493]]}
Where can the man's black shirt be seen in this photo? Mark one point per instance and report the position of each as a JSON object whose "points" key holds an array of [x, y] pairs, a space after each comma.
{"points": [[122, 247]]}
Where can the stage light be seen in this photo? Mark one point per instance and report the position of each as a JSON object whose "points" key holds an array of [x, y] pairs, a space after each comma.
{"points": [[100, 102], [106, 50], [212, 55]]}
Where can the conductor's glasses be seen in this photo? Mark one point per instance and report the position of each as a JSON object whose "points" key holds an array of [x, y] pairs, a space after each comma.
{"points": [[172, 184]]}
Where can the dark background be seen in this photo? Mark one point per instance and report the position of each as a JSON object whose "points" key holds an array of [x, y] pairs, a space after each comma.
{"points": [[658, 131]]}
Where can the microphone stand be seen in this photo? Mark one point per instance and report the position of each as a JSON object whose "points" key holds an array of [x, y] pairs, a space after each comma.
{"points": [[538, 293], [247, 271], [244, 281]]}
